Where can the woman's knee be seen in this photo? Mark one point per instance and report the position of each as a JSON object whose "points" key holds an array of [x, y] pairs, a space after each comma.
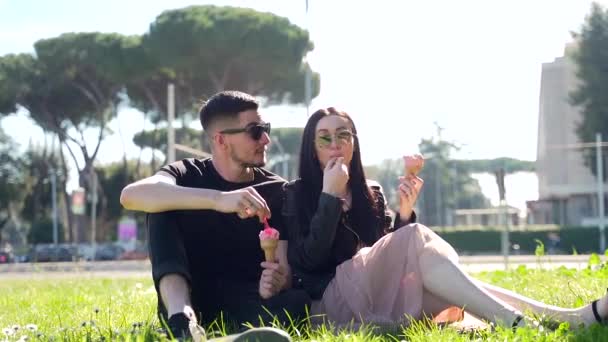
{"points": [[429, 240]]}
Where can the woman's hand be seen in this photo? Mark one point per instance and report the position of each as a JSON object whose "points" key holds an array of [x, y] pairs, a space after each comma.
{"points": [[409, 188], [335, 177], [274, 278]]}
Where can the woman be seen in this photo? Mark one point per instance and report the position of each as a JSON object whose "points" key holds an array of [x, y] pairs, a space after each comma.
{"points": [[345, 253]]}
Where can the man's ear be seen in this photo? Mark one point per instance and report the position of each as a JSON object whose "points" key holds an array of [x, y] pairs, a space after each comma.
{"points": [[219, 140]]}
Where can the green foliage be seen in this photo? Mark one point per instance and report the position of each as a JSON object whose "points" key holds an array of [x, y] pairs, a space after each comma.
{"points": [[285, 140], [76, 81], [41, 231], [539, 251], [594, 260], [214, 48], [112, 179], [157, 139], [591, 57], [206, 49], [290, 139], [476, 240], [12, 178], [17, 73], [38, 163]]}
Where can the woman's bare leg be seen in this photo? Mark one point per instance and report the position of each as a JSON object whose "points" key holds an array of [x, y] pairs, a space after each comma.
{"points": [[443, 277]]}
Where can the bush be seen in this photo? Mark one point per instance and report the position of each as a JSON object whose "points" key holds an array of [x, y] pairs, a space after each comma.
{"points": [[42, 231], [477, 240]]}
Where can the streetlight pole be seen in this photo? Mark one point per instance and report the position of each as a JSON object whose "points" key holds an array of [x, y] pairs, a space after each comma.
{"points": [[600, 189], [170, 119], [93, 209], [308, 77], [54, 203]]}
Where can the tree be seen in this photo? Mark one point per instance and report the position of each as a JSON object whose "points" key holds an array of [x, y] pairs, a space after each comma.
{"points": [[11, 182], [39, 165], [284, 151], [206, 49], [112, 179], [157, 141], [591, 59], [71, 85], [89, 69], [212, 48]]}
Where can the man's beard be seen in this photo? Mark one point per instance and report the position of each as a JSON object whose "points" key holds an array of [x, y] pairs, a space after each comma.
{"points": [[246, 163]]}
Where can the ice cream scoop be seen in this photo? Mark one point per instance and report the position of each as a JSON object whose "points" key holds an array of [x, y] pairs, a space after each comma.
{"points": [[269, 240], [413, 164]]}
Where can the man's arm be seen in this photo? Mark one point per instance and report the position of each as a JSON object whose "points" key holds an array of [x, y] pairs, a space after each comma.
{"points": [[160, 193]]}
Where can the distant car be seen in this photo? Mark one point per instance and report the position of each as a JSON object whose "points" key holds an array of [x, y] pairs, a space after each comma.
{"points": [[51, 253], [133, 255], [108, 252], [5, 258]]}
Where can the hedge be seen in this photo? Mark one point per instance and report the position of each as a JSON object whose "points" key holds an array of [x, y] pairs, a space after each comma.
{"points": [[478, 240]]}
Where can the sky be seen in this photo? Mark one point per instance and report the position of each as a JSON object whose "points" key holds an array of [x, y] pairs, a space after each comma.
{"points": [[400, 68]]}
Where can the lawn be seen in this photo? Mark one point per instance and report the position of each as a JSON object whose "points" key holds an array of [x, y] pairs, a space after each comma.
{"points": [[81, 308]]}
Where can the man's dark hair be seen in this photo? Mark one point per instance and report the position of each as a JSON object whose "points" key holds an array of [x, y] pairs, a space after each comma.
{"points": [[225, 105]]}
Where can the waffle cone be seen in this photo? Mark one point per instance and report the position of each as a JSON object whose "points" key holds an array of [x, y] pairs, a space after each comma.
{"points": [[269, 247]]}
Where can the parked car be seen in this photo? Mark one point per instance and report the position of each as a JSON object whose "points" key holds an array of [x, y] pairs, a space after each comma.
{"points": [[5, 258], [108, 252], [52, 253]]}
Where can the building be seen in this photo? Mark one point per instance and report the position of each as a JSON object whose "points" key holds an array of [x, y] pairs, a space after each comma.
{"points": [[567, 188]]}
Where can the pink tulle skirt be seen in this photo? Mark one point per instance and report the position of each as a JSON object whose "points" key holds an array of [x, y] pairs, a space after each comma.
{"points": [[382, 284]]}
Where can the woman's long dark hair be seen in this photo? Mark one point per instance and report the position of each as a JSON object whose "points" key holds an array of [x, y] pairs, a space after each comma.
{"points": [[364, 210]]}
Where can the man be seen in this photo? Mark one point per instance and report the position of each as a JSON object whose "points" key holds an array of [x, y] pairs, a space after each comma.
{"points": [[204, 224]]}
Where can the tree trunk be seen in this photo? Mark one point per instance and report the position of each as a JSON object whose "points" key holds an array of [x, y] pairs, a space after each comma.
{"points": [[68, 232]]}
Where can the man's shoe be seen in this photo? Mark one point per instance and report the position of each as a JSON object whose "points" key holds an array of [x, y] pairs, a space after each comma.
{"points": [[257, 335], [178, 325]]}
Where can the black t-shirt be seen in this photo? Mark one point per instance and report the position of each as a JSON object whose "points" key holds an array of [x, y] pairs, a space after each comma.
{"points": [[222, 249]]}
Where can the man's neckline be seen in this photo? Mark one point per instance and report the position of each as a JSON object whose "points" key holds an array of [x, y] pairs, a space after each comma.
{"points": [[254, 171]]}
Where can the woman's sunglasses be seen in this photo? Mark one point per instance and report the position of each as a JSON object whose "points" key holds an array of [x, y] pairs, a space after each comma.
{"points": [[342, 138], [255, 131]]}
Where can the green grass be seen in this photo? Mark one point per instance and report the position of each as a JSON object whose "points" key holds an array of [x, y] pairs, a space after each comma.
{"points": [[94, 309]]}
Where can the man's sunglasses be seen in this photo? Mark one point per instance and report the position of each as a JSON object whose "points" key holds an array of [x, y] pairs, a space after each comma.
{"points": [[341, 137], [255, 131]]}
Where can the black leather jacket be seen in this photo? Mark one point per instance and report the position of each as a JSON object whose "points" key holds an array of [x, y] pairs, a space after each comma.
{"points": [[322, 240]]}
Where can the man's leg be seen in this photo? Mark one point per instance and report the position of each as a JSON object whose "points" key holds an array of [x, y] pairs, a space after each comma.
{"points": [[174, 292], [170, 272]]}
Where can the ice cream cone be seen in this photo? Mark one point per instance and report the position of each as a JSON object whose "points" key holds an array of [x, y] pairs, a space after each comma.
{"points": [[269, 246], [413, 164]]}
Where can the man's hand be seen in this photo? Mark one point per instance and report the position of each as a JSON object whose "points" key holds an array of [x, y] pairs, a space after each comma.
{"points": [[409, 188], [245, 203], [273, 280]]}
